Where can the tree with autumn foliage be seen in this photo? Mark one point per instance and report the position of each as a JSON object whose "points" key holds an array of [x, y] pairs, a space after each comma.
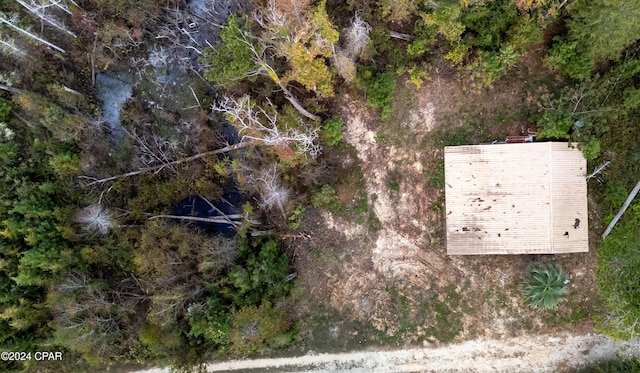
{"points": [[304, 36], [293, 30]]}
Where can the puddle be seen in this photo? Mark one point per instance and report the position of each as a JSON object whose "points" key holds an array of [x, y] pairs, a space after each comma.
{"points": [[114, 89]]}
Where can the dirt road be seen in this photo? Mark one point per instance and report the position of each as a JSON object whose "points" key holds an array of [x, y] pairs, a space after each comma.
{"points": [[523, 354]]}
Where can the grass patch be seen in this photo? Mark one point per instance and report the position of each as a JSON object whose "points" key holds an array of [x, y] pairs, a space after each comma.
{"points": [[327, 331], [435, 174], [454, 138], [448, 322], [394, 129], [362, 206], [324, 257], [572, 316], [616, 273], [437, 317], [374, 222], [394, 186]]}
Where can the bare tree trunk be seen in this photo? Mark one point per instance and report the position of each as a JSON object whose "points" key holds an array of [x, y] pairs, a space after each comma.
{"points": [[296, 104], [50, 20], [8, 47], [227, 219], [11, 89], [624, 207], [265, 68], [287, 94], [213, 207], [401, 36], [561, 5], [33, 36], [179, 161]]}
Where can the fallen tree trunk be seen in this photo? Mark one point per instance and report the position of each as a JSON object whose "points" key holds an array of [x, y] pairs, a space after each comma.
{"points": [[11, 89], [160, 167], [401, 36], [287, 94], [228, 219], [624, 207]]}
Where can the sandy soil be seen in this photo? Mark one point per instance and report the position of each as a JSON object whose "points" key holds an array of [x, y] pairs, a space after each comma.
{"points": [[361, 268], [538, 353]]}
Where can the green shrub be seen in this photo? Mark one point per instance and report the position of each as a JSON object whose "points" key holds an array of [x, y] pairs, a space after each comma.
{"points": [[332, 131], [212, 325], [493, 65], [5, 109], [254, 329], [295, 219], [379, 88], [327, 198], [555, 124], [631, 98], [567, 58], [394, 186], [446, 19], [489, 22], [232, 59], [418, 74], [615, 194], [425, 36], [262, 276], [159, 340], [545, 286], [525, 33], [590, 148], [65, 163]]}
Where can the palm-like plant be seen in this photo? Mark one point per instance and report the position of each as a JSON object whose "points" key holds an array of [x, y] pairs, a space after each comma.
{"points": [[546, 286]]}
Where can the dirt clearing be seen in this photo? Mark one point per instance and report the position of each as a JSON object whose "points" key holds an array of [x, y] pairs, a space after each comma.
{"points": [[523, 354], [376, 272]]}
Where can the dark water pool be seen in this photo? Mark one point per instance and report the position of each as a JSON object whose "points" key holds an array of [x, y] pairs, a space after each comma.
{"points": [[230, 203]]}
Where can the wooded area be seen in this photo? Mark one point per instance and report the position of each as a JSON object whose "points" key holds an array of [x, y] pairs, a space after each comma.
{"points": [[226, 110]]}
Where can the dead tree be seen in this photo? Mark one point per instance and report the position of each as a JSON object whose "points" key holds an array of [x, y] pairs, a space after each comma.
{"points": [[12, 22], [153, 150], [598, 170], [96, 218], [356, 38], [217, 254], [9, 47], [185, 31], [256, 124], [90, 181], [274, 194], [39, 9]]}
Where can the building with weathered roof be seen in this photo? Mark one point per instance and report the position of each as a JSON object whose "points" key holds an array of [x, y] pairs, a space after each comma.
{"points": [[528, 198]]}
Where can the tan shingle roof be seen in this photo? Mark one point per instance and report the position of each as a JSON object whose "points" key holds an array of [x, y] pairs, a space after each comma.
{"points": [[526, 198]]}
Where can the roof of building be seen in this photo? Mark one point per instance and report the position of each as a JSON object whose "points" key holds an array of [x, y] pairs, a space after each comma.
{"points": [[526, 198]]}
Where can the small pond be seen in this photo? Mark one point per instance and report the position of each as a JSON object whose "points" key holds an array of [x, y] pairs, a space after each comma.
{"points": [[230, 203]]}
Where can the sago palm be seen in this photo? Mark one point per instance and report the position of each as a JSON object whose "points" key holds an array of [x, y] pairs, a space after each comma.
{"points": [[545, 286]]}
